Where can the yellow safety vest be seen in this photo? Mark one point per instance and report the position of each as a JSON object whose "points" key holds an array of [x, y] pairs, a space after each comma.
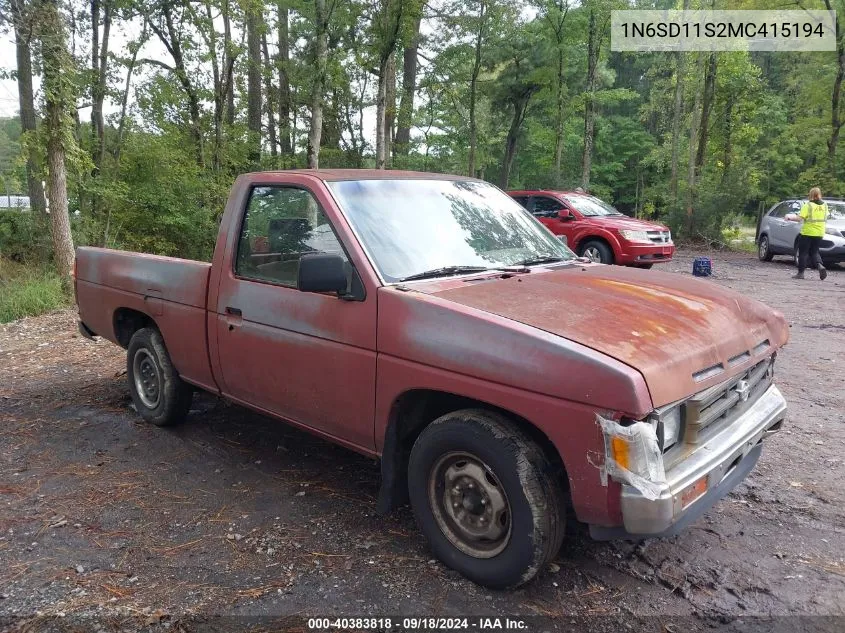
{"points": [[814, 217]]}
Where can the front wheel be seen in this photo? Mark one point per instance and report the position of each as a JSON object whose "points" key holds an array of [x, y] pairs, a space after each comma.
{"points": [[597, 252], [486, 498], [159, 395]]}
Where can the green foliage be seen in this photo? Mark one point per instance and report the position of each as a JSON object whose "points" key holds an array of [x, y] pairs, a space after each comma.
{"points": [[164, 178], [28, 291]]}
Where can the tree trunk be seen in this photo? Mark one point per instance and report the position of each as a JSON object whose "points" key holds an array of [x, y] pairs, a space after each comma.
{"points": [[23, 24], [559, 117], [381, 98], [229, 65], [561, 11], [321, 54], [58, 102], [677, 113], [390, 108], [589, 103], [409, 89], [253, 88], [691, 170], [99, 65], [520, 107], [284, 83], [728, 133], [706, 108], [268, 89], [473, 87]]}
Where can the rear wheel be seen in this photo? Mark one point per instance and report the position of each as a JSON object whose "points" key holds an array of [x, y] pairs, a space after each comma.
{"points": [[764, 250], [159, 395], [597, 252], [796, 253], [485, 498]]}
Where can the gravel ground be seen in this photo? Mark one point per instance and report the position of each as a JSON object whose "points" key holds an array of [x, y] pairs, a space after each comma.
{"points": [[236, 522]]}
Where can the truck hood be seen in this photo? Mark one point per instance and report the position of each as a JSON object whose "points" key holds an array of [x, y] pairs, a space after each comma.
{"points": [[682, 334]]}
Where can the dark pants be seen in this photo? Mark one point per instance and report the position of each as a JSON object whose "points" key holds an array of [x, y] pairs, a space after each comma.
{"points": [[808, 252]]}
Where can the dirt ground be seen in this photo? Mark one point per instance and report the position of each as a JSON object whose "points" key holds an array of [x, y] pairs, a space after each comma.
{"points": [[236, 522]]}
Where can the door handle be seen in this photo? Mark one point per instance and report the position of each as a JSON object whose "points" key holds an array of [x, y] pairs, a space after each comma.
{"points": [[233, 317]]}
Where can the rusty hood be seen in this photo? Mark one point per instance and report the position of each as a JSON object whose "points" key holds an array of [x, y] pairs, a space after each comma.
{"points": [[682, 334]]}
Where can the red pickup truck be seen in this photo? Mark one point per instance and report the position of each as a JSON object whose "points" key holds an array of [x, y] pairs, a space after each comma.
{"points": [[431, 322]]}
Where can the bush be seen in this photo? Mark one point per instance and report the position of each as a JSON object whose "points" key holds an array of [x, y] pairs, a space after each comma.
{"points": [[27, 291]]}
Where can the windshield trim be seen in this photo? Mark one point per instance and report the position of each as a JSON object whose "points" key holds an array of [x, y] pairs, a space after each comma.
{"points": [[371, 260]]}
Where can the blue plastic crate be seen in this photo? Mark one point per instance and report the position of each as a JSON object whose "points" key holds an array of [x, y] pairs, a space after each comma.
{"points": [[702, 267]]}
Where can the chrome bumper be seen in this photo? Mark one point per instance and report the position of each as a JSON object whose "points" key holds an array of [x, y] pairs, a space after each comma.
{"points": [[725, 460]]}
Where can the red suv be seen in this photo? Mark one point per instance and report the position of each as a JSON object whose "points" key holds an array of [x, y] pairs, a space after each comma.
{"points": [[596, 230]]}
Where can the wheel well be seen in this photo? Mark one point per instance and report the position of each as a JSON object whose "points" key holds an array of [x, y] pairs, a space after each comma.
{"points": [[128, 321], [596, 238], [416, 409]]}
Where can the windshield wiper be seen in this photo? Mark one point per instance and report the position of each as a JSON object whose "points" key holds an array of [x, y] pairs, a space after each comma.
{"points": [[549, 259], [445, 271]]}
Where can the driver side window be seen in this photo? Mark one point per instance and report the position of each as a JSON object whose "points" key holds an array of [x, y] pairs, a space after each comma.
{"points": [[280, 225], [545, 206]]}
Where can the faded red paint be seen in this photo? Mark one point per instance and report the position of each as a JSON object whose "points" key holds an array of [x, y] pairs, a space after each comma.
{"points": [[555, 346]]}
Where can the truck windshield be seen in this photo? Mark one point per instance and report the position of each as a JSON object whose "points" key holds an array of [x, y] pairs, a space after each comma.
{"points": [[409, 227]]}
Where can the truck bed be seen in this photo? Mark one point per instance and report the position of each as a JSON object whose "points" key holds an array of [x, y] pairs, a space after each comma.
{"points": [[111, 285]]}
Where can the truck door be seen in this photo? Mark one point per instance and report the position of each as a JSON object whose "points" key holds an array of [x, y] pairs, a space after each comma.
{"points": [[307, 357]]}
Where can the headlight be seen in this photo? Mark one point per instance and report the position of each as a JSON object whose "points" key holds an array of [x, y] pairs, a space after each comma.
{"points": [[669, 427], [831, 231], [635, 236]]}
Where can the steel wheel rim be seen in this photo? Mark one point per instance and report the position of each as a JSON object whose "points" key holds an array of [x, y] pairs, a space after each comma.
{"points": [[593, 254], [764, 247], [147, 378], [470, 505]]}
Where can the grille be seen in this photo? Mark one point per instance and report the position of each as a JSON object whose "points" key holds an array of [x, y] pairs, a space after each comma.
{"points": [[659, 237], [724, 402]]}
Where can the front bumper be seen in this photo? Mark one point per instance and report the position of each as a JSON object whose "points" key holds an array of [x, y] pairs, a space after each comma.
{"points": [[832, 248], [645, 253], [724, 460]]}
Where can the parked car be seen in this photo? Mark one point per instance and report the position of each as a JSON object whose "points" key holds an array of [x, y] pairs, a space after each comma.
{"points": [[428, 321], [778, 236], [595, 229]]}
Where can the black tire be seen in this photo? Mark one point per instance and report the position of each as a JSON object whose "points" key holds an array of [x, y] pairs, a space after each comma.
{"points": [[159, 395], [515, 468], [764, 249], [796, 253], [600, 250]]}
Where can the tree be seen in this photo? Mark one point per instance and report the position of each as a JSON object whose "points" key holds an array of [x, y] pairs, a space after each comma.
{"points": [[410, 59], [555, 13], [595, 35], [253, 90], [322, 13], [23, 25], [387, 21], [59, 101]]}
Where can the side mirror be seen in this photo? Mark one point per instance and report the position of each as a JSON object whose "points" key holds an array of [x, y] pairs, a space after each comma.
{"points": [[322, 272], [566, 215]]}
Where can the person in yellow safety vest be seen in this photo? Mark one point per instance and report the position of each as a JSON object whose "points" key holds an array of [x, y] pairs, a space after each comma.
{"points": [[812, 217]]}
